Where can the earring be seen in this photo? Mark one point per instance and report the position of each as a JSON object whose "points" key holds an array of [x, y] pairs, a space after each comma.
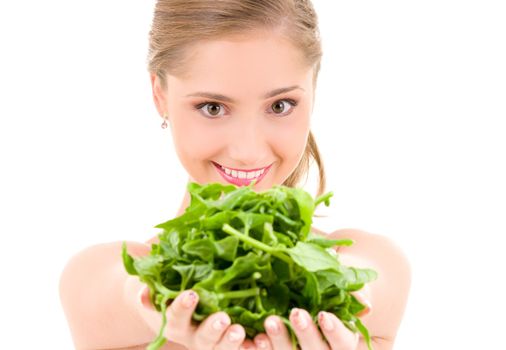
{"points": [[164, 124]]}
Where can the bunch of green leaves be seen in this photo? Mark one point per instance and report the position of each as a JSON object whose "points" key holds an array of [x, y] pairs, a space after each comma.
{"points": [[250, 254]]}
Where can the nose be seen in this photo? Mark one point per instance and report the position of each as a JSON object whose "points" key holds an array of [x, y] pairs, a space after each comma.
{"points": [[248, 144]]}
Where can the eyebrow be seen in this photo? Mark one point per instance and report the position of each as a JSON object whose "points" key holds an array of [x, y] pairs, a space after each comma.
{"points": [[223, 98]]}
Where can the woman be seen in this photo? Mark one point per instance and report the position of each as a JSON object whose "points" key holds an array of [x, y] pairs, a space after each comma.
{"points": [[235, 80]]}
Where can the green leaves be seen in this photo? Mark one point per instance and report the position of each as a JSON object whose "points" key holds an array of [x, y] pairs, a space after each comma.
{"points": [[313, 257], [227, 248], [251, 255], [128, 261]]}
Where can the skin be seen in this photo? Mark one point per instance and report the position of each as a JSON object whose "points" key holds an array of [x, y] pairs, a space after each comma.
{"points": [[246, 134], [253, 132], [94, 286]]}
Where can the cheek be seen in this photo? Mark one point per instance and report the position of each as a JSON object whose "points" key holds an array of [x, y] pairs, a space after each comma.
{"points": [[289, 140], [193, 139]]}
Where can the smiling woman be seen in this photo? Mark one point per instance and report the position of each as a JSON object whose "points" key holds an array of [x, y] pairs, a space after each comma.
{"points": [[256, 117], [236, 81]]}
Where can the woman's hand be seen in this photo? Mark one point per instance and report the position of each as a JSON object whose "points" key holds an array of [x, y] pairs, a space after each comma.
{"points": [[338, 336], [214, 333]]}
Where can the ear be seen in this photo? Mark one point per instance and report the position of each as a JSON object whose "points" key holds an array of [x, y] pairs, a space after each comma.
{"points": [[159, 95]]}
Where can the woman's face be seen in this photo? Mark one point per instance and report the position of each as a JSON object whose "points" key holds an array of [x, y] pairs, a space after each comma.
{"points": [[244, 104]]}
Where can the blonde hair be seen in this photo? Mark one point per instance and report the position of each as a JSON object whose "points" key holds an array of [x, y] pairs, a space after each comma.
{"points": [[179, 24]]}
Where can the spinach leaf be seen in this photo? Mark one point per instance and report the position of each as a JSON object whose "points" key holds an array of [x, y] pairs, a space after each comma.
{"points": [[251, 255], [312, 257]]}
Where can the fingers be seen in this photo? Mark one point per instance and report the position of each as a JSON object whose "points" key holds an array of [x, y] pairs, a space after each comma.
{"points": [[144, 297], [262, 342], [232, 339], [211, 330], [307, 333], [248, 345], [363, 298], [338, 336], [179, 316], [277, 333]]}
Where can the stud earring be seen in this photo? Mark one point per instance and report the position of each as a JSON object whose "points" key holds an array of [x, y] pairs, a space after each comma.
{"points": [[164, 124]]}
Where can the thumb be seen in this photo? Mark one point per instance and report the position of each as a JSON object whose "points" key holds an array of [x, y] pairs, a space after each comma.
{"points": [[364, 297], [144, 299]]}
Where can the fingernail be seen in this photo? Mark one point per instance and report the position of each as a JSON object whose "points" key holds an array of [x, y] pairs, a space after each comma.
{"points": [[144, 297], [234, 336], [220, 324], [300, 319], [366, 310], [262, 344], [272, 327], [141, 292], [326, 321], [189, 299], [362, 299]]}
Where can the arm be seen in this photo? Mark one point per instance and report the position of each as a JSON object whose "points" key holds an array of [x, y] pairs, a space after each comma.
{"points": [[389, 293], [105, 308], [96, 295]]}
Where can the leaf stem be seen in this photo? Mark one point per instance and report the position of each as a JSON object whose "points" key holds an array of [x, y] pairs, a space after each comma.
{"points": [[323, 198], [255, 243], [167, 293], [258, 299]]}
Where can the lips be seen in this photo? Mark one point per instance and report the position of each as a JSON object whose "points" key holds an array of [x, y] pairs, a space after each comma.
{"points": [[240, 182]]}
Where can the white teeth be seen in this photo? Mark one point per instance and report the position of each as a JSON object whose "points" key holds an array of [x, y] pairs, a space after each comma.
{"points": [[243, 174]]}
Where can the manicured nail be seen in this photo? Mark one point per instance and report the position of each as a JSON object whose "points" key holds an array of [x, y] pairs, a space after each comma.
{"points": [[220, 324], [189, 299], [246, 347], [141, 292], [362, 299], [234, 336], [272, 326], [367, 308], [144, 298], [325, 321], [300, 319], [261, 344]]}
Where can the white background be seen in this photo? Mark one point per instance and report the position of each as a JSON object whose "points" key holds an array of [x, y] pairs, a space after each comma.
{"points": [[410, 112]]}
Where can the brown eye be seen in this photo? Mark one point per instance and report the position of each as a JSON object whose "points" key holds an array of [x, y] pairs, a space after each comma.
{"points": [[213, 109], [280, 107]]}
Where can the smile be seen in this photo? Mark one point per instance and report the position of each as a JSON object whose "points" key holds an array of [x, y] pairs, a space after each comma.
{"points": [[241, 177]]}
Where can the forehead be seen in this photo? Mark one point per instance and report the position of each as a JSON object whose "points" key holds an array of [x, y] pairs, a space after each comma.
{"points": [[257, 61]]}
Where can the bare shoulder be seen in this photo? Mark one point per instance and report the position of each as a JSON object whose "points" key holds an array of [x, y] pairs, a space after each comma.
{"points": [[389, 293]]}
